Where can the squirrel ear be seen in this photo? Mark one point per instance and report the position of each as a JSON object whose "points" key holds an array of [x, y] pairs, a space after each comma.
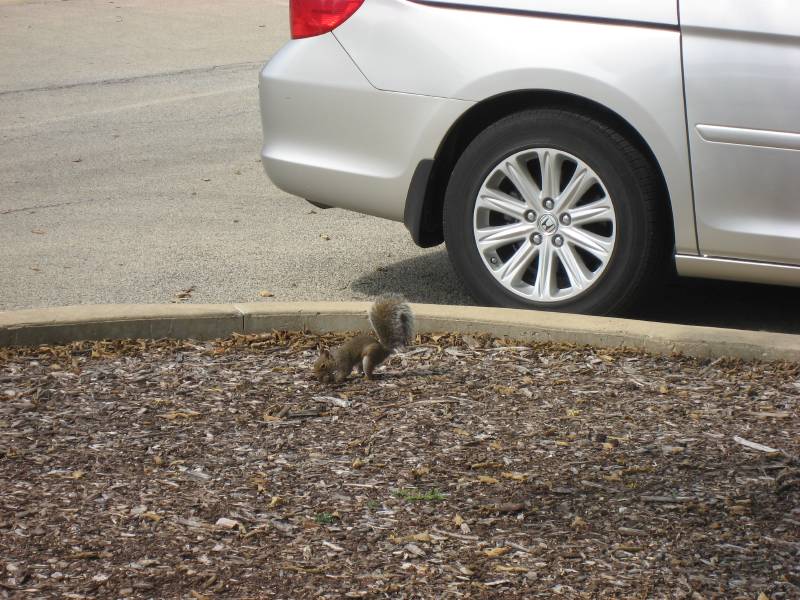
{"points": [[324, 353]]}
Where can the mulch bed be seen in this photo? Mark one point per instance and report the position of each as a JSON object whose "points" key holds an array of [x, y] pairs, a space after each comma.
{"points": [[472, 467]]}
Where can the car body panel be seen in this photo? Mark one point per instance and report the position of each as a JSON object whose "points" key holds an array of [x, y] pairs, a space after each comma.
{"points": [[635, 72], [349, 116], [742, 70], [327, 137]]}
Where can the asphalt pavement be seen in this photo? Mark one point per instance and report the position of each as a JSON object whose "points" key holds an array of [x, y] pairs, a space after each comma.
{"points": [[130, 173]]}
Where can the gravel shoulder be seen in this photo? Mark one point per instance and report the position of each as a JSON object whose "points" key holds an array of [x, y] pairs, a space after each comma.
{"points": [[472, 467]]}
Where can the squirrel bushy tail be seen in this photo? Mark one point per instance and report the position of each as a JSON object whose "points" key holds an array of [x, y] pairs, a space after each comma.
{"points": [[392, 320]]}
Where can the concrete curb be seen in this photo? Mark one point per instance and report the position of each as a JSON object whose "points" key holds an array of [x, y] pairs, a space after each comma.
{"points": [[207, 321]]}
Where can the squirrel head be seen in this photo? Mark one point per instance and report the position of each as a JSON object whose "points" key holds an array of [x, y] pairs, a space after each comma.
{"points": [[325, 367]]}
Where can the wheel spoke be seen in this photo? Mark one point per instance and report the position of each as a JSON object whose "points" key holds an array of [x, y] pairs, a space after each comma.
{"points": [[513, 269], [550, 163], [577, 273], [518, 173], [492, 238], [595, 212], [545, 273], [597, 245], [497, 201], [578, 185]]}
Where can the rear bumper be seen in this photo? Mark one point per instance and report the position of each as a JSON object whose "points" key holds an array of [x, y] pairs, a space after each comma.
{"points": [[333, 138]]}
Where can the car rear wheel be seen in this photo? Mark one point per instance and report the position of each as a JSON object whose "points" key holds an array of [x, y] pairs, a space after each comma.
{"points": [[554, 210]]}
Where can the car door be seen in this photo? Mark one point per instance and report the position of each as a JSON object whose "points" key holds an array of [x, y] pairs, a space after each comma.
{"points": [[741, 63]]}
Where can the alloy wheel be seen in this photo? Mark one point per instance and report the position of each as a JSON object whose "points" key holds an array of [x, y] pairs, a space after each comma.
{"points": [[544, 225]]}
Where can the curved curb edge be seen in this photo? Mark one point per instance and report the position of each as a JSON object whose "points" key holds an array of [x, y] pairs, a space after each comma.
{"points": [[208, 321]]}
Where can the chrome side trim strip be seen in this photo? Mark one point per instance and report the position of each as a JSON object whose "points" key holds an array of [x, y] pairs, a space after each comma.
{"points": [[542, 14], [737, 270], [749, 137]]}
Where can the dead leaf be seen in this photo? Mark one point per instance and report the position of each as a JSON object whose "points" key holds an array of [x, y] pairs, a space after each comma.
{"points": [[324, 236], [151, 516], [184, 294], [514, 475], [486, 465], [420, 471], [470, 341], [487, 479], [265, 294], [179, 414], [458, 520], [497, 552], [781, 414], [424, 537], [508, 507], [578, 523], [38, 231], [504, 389], [76, 474], [226, 523], [275, 501]]}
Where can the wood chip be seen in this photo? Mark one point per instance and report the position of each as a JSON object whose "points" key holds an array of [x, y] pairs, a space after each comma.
{"points": [[754, 445]]}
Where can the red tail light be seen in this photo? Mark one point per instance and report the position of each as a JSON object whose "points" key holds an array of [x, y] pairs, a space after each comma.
{"points": [[315, 17]]}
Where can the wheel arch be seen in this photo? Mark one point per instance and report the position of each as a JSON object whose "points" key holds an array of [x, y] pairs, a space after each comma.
{"points": [[425, 201]]}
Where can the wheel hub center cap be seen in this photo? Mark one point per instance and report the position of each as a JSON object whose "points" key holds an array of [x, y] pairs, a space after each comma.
{"points": [[548, 224]]}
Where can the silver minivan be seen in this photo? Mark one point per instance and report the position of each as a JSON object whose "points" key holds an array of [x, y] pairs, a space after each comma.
{"points": [[567, 151]]}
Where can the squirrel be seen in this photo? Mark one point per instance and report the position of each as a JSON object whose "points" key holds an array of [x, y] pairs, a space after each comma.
{"points": [[393, 323]]}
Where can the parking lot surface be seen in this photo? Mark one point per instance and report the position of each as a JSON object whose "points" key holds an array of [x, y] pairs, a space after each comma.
{"points": [[129, 172]]}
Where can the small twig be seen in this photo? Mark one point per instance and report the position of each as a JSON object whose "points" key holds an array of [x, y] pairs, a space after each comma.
{"points": [[305, 414], [333, 547], [755, 446], [668, 499], [458, 536], [340, 402], [519, 547]]}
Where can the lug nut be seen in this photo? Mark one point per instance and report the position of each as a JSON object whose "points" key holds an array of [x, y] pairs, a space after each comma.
{"points": [[536, 238], [566, 219], [548, 203], [558, 241], [530, 216], [493, 260]]}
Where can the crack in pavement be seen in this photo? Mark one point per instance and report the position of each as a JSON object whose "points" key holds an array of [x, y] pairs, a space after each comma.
{"points": [[120, 80], [9, 211]]}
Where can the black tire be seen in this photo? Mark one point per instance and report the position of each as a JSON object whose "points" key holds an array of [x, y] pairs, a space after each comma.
{"points": [[638, 255]]}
